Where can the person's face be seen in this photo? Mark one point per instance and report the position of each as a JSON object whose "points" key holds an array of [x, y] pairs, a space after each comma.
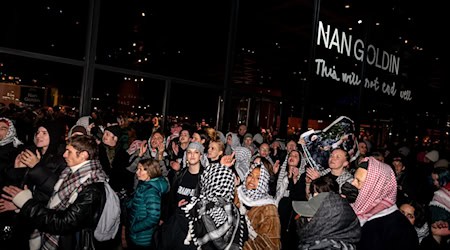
{"points": [[248, 141], [408, 211], [251, 183], [264, 150], [42, 138], [184, 136], [141, 174], [435, 178], [213, 151], [156, 140], [360, 178], [109, 138], [242, 130], [196, 138], [398, 167], [175, 129], [193, 156], [73, 157], [294, 158], [291, 146], [362, 147], [229, 140], [3, 130], [337, 159]]}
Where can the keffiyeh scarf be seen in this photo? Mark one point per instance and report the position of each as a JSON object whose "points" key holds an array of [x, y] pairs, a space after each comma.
{"points": [[213, 217], [378, 192], [441, 198], [67, 189], [242, 164], [259, 196], [11, 135]]}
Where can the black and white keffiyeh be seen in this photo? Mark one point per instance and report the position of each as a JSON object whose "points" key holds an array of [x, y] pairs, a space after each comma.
{"points": [[243, 156], [259, 196], [213, 217], [11, 135]]}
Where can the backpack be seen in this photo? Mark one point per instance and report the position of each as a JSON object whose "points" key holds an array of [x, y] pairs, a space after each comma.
{"points": [[109, 221]]}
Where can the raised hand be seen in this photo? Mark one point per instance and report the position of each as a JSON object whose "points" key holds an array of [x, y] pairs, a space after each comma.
{"points": [[143, 149], [312, 173], [29, 158], [276, 166], [228, 160]]}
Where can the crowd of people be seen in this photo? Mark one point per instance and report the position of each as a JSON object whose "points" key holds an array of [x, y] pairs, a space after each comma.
{"points": [[189, 186]]}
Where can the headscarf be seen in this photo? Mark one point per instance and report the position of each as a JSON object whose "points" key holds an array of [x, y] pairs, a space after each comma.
{"points": [[243, 156], [234, 143], [55, 131], [378, 192], [11, 135], [259, 196], [85, 121]]}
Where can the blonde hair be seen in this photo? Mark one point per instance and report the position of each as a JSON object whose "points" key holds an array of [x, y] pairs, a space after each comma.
{"points": [[220, 145]]}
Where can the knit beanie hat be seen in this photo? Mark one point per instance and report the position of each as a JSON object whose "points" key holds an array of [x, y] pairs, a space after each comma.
{"points": [[79, 129], [433, 155], [442, 163], [115, 129], [197, 146], [258, 139]]}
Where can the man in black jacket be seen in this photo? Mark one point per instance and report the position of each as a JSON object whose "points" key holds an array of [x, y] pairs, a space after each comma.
{"points": [[70, 218]]}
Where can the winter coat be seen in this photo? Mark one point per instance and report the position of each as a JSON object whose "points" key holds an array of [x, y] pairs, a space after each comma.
{"points": [[145, 210], [265, 221], [76, 224]]}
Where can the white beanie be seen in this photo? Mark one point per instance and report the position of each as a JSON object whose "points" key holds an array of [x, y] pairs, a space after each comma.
{"points": [[258, 138], [442, 163], [433, 155]]}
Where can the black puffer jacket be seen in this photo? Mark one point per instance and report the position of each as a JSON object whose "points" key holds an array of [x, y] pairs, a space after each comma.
{"points": [[80, 218]]}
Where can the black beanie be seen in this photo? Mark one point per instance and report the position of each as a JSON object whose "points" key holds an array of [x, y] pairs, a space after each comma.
{"points": [[115, 129]]}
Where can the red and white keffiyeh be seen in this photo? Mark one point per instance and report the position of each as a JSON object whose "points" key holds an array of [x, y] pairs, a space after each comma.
{"points": [[379, 191]]}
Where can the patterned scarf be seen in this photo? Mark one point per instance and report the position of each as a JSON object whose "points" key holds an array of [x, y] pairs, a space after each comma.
{"points": [[259, 196], [11, 135], [67, 189], [213, 217], [378, 192], [441, 198], [242, 164]]}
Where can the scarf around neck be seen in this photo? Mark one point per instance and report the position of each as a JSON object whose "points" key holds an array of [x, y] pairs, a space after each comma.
{"points": [[213, 217], [67, 189]]}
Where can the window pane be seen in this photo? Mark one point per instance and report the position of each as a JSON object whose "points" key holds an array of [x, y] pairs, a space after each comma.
{"points": [[36, 83], [194, 103], [51, 27], [172, 38], [127, 94]]}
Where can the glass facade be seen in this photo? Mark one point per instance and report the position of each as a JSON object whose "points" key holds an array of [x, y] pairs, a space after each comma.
{"points": [[268, 64]]}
